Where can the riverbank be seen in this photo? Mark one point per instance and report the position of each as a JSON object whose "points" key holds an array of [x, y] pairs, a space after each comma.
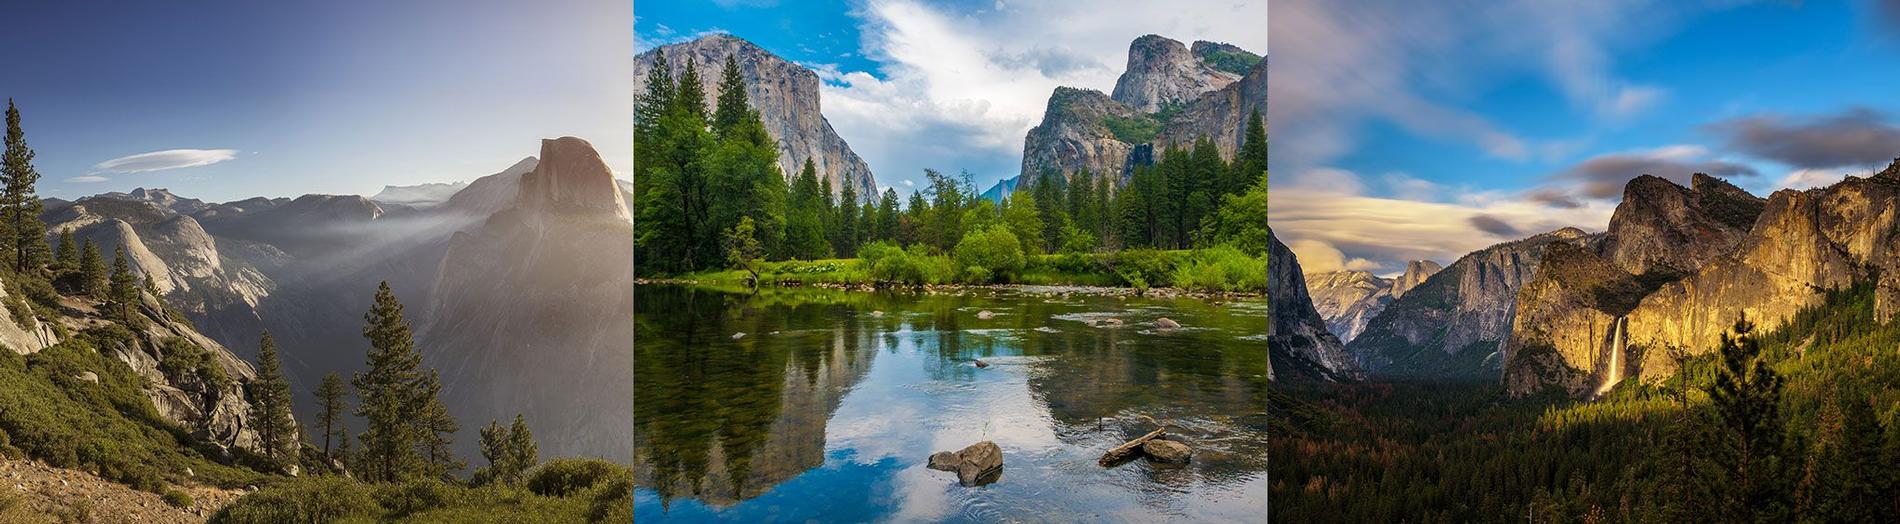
{"points": [[1128, 273]]}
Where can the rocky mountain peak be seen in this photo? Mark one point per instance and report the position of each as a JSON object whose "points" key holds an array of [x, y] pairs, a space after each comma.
{"points": [[785, 94], [1162, 72], [571, 177], [1892, 172], [1661, 226], [1348, 299], [1416, 272]]}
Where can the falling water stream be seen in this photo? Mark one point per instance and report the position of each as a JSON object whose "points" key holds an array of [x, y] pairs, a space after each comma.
{"points": [[1615, 374]]}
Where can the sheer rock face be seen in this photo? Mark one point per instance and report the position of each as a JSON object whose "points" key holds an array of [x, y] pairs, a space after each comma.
{"points": [[1456, 322], [1297, 338], [1348, 300], [1073, 137], [572, 178], [1663, 227], [1162, 72], [1220, 115], [1566, 322], [786, 97], [1800, 245]]}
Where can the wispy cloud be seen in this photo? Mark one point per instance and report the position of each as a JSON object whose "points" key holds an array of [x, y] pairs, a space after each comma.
{"points": [[958, 90], [88, 179], [1413, 65], [1854, 137], [163, 160], [1603, 176]]}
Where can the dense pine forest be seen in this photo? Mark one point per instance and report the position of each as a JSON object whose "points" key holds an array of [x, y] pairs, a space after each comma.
{"points": [[1794, 425], [711, 204]]}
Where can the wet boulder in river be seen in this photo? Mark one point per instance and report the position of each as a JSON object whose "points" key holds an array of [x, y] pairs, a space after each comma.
{"points": [[1167, 451], [1167, 323]]}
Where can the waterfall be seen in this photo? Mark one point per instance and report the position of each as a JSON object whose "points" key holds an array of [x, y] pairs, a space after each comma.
{"points": [[1615, 373]]}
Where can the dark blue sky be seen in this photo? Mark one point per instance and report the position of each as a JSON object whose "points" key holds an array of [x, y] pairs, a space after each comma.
{"points": [[286, 98]]}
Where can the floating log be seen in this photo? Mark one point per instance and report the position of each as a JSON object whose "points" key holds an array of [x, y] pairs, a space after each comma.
{"points": [[1128, 449]]}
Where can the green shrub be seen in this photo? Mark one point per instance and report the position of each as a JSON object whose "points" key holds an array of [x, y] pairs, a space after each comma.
{"points": [[415, 496], [990, 255], [322, 498], [613, 500], [1138, 129], [563, 477], [885, 262], [178, 499], [1222, 269], [1143, 267]]}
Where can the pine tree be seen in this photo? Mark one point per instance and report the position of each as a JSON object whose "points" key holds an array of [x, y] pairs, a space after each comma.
{"points": [[805, 218], [845, 241], [1250, 163], [1850, 486], [888, 224], [66, 257], [494, 446], [689, 96], [389, 392], [21, 206], [270, 405], [1746, 396], [92, 271], [330, 407], [123, 295], [733, 109], [523, 453], [437, 430]]}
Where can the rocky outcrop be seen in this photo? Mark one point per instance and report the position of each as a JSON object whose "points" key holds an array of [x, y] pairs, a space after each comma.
{"points": [[1298, 342], [1799, 246], [786, 96], [1161, 73], [1220, 115], [1169, 96], [1074, 136], [1454, 324], [1348, 300], [571, 178], [1415, 273]]}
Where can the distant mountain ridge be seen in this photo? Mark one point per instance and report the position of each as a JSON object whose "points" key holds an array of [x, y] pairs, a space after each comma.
{"points": [[481, 274], [1349, 299]]}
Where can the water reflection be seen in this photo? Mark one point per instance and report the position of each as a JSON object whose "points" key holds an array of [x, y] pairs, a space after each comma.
{"points": [[827, 405]]}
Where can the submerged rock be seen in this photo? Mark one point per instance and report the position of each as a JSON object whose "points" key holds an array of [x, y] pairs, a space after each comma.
{"points": [[985, 314], [1167, 451], [1167, 323], [981, 364], [739, 335]]}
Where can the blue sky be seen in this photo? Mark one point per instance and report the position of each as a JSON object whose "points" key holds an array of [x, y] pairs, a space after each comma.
{"points": [[1406, 131], [287, 98], [950, 84]]}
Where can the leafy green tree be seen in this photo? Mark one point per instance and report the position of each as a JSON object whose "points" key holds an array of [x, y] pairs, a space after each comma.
{"points": [[330, 408], [990, 255], [270, 405], [1025, 221], [390, 393], [1746, 395], [743, 249], [949, 198], [27, 246], [1241, 221]]}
